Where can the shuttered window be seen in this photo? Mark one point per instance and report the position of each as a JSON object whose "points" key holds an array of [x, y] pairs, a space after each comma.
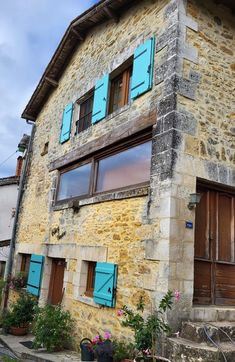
{"points": [[142, 69], [35, 274], [105, 284], [100, 99], [66, 123]]}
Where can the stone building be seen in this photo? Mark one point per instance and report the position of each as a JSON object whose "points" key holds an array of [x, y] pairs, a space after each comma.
{"points": [[133, 117]]}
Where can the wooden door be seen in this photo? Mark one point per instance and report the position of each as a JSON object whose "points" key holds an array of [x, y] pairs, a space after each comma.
{"points": [[56, 281], [214, 260]]}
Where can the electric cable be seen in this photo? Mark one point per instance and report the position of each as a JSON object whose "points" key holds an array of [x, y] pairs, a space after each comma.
{"points": [[2, 163]]}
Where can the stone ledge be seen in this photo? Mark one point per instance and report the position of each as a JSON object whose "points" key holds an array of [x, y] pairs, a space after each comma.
{"points": [[118, 195]]}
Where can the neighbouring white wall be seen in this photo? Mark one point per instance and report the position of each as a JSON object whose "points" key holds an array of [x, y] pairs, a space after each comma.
{"points": [[8, 197]]}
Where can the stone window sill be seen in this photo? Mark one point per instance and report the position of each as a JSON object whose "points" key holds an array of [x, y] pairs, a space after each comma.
{"points": [[117, 195], [88, 301]]}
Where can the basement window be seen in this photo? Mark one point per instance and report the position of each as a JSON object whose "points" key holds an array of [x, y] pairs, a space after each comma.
{"points": [[125, 166]]}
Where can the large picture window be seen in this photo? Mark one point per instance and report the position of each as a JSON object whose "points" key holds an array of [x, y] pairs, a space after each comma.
{"points": [[74, 182], [125, 166], [128, 167]]}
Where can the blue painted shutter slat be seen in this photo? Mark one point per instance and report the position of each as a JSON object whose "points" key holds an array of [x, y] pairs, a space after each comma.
{"points": [[142, 76], [105, 284], [100, 99], [35, 273], [66, 123]]}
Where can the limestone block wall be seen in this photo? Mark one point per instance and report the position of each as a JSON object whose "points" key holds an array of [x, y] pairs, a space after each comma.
{"points": [[196, 127], [193, 136], [119, 231]]}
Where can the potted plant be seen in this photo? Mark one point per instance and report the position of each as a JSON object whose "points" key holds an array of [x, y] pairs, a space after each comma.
{"points": [[147, 331], [103, 347], [123, 351], [16, 320], [53, 327]]}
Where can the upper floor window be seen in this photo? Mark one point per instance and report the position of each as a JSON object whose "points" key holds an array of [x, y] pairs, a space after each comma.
{"points": [[125, 166], [85, 113], [120, 90], [112, 91]]}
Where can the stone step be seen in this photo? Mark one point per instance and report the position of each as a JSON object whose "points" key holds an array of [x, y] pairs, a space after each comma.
{"points": [[217, 331], [212, 314], [183, 350]]}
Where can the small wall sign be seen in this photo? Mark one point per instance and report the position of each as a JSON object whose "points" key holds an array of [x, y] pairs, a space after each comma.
{"points": [[189, 224]]}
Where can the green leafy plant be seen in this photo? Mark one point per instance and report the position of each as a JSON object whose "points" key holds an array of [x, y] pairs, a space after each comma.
{"points": [[123, 350], [8, 359], [147, 330], [2, 286], [21, 312], [52, 328]]}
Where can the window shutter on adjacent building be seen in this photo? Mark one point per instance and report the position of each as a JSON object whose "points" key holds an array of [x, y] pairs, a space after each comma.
{"points": [[142, 76], [66, 123], [100, 99], [35, 274], [105, 284]]}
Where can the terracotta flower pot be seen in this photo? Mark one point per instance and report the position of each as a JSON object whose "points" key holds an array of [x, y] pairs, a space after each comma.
{"points": [[19, 331]]}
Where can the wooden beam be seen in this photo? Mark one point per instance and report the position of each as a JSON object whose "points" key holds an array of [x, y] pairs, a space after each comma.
{"points": [[123, 131], [78, 35], [51, 81], [27, 116], [111, 14]]}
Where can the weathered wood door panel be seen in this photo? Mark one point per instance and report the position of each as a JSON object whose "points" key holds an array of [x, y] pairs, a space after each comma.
{"points": [[56, 281], [214, 266]]}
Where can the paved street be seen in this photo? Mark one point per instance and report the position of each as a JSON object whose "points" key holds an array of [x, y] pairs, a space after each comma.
{"points": [[5, 352]]}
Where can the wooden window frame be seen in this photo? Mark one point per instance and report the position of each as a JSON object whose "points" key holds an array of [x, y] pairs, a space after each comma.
{"points": [[24, 258], [95, 158], [91, 265], [125, 77], [82, 126]]}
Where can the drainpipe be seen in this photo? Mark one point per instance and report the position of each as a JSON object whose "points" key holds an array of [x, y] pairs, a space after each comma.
{"points": [[10, 259]]}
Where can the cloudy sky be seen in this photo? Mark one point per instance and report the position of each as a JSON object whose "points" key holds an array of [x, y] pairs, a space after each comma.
{"points": [[30, 31]]}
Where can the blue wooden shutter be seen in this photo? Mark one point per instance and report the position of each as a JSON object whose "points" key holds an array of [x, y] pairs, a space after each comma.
{"points": [[142, 76], [105, 284], [100, 99], [35, 274], [66, 123]]}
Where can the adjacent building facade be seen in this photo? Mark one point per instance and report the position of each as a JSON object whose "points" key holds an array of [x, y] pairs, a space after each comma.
{"points": [[133, 114], [8, 197]]}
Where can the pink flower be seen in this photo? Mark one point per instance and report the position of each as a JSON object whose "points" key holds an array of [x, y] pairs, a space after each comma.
{"points": [[120, 312], [177, 295], [96, 339], [107, 335], [147, 351]]}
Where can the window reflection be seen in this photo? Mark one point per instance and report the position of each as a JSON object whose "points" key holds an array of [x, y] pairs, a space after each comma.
{"points": [[125, 168], [74, 182]]}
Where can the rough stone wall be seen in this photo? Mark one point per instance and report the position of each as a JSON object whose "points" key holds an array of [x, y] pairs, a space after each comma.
{"points": [[193, 137], [119, 231], [195, 128]]}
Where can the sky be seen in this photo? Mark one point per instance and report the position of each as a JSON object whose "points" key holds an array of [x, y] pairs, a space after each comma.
{"points": [[30, 31]]}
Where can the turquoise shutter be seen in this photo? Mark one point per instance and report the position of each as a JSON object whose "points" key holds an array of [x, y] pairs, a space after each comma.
{"points": [[142, 76], [100, 99], [35, 273], [66, 123], [105, 284]]}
